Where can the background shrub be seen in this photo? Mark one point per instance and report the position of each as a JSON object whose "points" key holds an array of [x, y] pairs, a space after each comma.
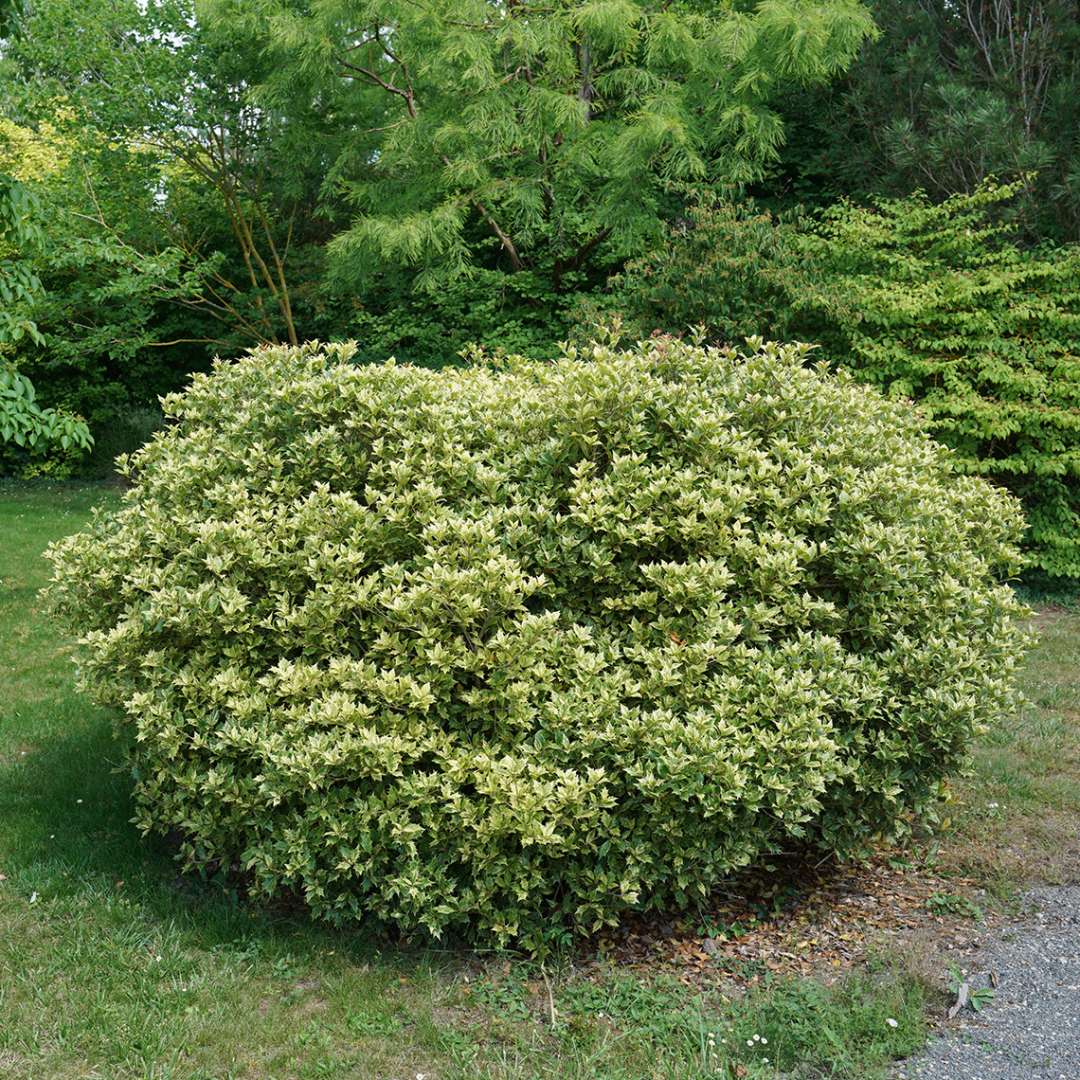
{"points": [[930, 301], [730, 267], [936, 303], [514, 648], [36, 441], [514, 314]]}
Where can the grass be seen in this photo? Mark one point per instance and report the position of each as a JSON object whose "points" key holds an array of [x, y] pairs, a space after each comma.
{"points": [[1016, 817], [112, 967]]}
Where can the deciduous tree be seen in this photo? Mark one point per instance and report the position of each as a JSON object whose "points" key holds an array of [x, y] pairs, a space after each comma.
{"points": [[549, 129]]}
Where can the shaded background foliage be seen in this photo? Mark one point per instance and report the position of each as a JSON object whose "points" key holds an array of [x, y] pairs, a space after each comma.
{"points": [[948, 95]]}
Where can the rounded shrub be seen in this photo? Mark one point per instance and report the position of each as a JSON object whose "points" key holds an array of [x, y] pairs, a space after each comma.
{"points": [[514, 648]]}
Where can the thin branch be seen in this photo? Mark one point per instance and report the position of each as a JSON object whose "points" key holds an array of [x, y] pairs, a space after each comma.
{"points": [[408, 96]]}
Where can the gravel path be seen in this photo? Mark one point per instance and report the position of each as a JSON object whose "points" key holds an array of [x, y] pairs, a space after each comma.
{"points": [[1031, 1029]]}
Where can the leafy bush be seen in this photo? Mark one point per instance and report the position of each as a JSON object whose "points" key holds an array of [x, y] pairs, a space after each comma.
{"points": [[514, 648], [33, 439], [514, 313], [729, 267], [98, 316], [934, 302]]}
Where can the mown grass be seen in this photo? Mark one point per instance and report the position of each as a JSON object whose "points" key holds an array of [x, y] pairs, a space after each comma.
{"points": [[112, 967], [1017, 817]]}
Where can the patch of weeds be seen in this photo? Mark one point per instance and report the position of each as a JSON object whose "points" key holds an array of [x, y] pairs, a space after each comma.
{"points": [[975, 998], [507, 999], [850, 1030], [373, 1022], [314, 1034], [293, 995], [458, 1046], [945, 903], [743, 969], [711, 927], [655, 1008], [653, 1025]]}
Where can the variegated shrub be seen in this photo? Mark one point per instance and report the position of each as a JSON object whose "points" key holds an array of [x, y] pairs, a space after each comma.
{"points": [[514, 648]]}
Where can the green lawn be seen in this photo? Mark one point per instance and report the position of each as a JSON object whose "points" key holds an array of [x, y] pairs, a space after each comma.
{"points": [[112, 967]]}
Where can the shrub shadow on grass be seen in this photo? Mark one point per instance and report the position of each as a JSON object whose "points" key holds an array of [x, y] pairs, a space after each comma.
{"points": [[65, 820], [66, 805]]}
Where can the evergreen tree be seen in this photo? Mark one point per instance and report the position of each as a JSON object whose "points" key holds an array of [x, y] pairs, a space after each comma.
{"points": [[953, 92]]}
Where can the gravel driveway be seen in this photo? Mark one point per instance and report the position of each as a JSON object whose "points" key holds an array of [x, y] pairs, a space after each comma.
{"points": [[1031, 1029]]}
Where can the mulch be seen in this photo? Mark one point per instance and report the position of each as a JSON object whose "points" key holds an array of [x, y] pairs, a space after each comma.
{"points": [[795, 919]]}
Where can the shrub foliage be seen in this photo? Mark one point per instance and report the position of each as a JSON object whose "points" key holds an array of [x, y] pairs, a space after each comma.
{"points": [[729, 267], [933, 301], [32, 439], [513, 648]]}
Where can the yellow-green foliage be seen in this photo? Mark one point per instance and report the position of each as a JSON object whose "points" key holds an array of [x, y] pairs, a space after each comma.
{"points": [[514, 648], [932, 301]]}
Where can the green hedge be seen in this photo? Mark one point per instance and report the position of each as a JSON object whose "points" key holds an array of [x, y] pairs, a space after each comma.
{"points": [[515, 648]]}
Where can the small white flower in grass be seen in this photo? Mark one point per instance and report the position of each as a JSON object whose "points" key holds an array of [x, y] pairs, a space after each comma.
{"points": [[891, 1022], [764, 1041], [33, 898], [78, 800], [749, 1042]]}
